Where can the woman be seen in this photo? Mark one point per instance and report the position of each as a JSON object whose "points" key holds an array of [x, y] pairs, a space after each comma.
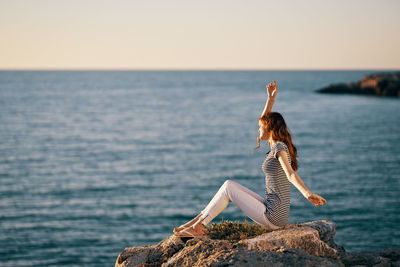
{"points": [[280, 165]]}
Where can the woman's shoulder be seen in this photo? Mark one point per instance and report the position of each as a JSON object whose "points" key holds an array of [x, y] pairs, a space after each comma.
{"points": [[279, 145]]}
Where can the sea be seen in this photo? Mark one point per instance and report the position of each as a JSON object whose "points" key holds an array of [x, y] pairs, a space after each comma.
{"points": [[92, 162]]}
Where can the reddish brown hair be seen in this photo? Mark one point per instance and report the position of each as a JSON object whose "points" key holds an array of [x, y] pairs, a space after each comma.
{"points": [[275, 125]]}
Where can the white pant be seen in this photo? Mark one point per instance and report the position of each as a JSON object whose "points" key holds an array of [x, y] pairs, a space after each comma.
{"points": [[249, 202]]}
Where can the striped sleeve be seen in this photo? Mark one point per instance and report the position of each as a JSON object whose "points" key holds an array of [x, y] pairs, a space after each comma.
{"points": [[279, 147]]}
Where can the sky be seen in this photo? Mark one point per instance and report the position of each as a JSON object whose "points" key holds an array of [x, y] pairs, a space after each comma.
{"points": [[200, 34]]}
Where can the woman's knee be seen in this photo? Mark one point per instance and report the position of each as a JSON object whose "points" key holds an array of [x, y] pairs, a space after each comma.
{"points": [[228, 183]]}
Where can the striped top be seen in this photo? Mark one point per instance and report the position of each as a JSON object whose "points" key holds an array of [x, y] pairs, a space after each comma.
{"points": [[277, 190]]}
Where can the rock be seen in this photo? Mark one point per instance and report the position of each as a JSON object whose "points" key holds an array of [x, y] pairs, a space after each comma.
{"points": [[155, 254], [208, 252], [326, 231], [307, 244], [305, 238], [384, 257], [382, 84]]}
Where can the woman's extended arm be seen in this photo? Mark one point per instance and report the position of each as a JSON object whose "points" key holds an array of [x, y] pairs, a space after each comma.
{"points": [[294, 178], [272, 91]]}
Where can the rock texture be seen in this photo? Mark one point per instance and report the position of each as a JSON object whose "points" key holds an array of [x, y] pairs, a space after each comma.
{"points": [[382, 84], [307, 244], [306, 239]]}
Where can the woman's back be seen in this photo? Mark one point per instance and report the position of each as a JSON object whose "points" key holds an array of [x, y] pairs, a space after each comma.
{"points": [[277, 189]]}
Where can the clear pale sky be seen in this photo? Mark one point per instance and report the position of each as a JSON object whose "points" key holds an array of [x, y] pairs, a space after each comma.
{"points": [[201, 34]]}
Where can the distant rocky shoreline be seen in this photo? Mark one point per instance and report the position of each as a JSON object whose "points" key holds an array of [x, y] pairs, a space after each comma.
{"points": [[381, 84], [306, 244]]}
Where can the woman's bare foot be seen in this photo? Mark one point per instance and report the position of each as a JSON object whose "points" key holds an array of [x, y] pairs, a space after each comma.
{"points": [[197, 229], [183, 226]]}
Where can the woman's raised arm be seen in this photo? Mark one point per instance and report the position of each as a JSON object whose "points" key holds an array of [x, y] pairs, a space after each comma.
{"points": [[294, 178], [272, 90]]}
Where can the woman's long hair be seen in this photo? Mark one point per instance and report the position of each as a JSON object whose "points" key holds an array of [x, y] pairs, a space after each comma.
{"points": [[275, 125]]}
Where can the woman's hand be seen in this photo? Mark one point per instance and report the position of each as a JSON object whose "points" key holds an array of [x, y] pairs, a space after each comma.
{"points": [[316, 200], [272, 89]]}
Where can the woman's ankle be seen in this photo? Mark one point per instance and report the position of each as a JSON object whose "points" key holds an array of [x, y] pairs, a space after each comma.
{"points": [[199, 225]]}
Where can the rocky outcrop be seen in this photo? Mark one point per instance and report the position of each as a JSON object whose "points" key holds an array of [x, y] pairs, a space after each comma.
{"points": [[307, 244], [382, 84]]}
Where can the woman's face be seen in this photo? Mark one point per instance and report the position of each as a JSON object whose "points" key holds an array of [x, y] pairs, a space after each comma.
{"points": [[262, 132]]}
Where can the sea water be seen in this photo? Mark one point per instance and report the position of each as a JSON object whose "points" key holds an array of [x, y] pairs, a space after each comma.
{"points": [[92, 162]]}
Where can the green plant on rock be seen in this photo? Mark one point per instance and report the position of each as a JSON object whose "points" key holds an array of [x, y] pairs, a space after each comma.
{"points": [[234, 231]]}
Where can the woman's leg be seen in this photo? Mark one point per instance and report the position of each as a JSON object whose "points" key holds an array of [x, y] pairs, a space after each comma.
{"points": [[193, 221], [248, 201]]}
